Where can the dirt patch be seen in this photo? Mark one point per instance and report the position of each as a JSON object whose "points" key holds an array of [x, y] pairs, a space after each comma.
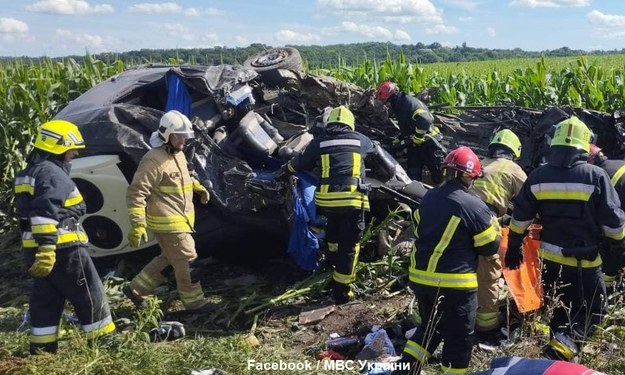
{"points": [[354, 319]]}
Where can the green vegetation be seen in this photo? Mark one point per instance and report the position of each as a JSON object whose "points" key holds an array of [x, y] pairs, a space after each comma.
{"points": [[32, 93], [34, 90], [351, 54], [592, 83]]}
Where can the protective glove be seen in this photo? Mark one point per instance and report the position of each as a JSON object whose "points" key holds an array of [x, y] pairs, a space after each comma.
{"points": [[44, 261], [136, 235], [514, 255], [201, 190]]}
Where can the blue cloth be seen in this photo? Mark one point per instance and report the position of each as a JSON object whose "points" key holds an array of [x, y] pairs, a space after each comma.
{"points": [[377, 331], [178, 96], [308, 185], [534, 366], [303, 244]]}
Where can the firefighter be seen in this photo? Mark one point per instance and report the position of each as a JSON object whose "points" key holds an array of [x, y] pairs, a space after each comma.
{"points": [[341, 196], [422, 138], [49, 206], [453, 228], [502, 180], [576, 205], [160, 199], [613, 261]]}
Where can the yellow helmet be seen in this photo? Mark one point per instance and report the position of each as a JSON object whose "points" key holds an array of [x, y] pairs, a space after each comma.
{"points": [[58, 137], [342, 115], [506, 137], [572, 132]]}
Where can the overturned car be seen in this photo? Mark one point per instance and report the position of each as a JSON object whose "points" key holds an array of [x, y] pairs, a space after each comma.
{"points": [[244, 130], [248, 120]]}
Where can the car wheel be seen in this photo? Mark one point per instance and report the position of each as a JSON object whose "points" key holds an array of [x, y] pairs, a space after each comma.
{"points": [[275, 58]]}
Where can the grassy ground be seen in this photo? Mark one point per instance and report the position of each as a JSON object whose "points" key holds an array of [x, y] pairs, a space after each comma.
{"points": [[254, 321]]}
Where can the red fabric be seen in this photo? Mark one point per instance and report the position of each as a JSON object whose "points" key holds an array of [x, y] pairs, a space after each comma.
{"points": [[330, 355], [568, 368]]}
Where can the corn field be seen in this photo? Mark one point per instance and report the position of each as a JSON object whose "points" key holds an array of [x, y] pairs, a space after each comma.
{"points": [[33, 93]]}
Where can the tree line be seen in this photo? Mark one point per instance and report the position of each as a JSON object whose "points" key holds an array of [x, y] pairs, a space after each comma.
{"points": [[316, 56]]}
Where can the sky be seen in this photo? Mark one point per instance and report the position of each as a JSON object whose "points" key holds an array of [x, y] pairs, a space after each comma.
{"points": [[57, 28]]}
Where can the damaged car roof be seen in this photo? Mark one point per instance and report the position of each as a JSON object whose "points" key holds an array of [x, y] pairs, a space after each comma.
{"points": [[117, 117]]}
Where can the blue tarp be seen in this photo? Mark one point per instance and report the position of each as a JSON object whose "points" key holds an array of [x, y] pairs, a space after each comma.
{"points": [[303, 244], [178, 96], [308, 185]]}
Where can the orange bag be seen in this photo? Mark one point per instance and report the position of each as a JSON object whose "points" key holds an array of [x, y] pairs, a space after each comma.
{"points": [[524, 283]]}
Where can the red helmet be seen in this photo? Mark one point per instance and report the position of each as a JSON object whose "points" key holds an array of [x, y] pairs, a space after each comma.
{"points": [[464, 160], [386, 90], [594, 153]]}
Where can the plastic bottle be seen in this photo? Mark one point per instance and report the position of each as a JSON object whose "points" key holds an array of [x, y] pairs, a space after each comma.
{"points": [[341, 342]]}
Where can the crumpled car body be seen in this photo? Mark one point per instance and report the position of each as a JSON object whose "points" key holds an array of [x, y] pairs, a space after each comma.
{"points": [[231, 154], [234, 150]]}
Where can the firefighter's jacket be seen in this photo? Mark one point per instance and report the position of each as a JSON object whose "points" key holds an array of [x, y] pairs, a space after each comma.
{"points": [[453, 227], [48, 203], [414, 119], [502, 181], [160, 196], [616, 171], [576, 205], [339, 154]]}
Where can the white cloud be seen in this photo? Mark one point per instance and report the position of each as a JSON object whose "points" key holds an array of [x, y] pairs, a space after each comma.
{"points": [[463, 4], [441, 29], [189, 36], [12, 26], [465, 19], [491, 32], [241, 40], [68, 7], [151, 8], [70, 40], [614, 35], [399, 19], [364, 17], [605, 20], [209, 38], [371, 32], [401, 35], [195, 12], [175, 28], [290, 36], [421, 10], [550, 3]]}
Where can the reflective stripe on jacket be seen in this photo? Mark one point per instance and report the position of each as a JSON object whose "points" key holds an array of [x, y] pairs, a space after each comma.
{"points": [[414, 118], [616, 171], [453, 227], [161, 193], [48, 203], [503, 179], [577, 204], [339, 155]]}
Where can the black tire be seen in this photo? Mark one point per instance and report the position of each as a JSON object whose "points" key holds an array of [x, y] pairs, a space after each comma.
{"points": [[275, 58]]}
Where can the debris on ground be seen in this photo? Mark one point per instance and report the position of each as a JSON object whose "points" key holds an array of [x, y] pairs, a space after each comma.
{"points": [[315, 316]]}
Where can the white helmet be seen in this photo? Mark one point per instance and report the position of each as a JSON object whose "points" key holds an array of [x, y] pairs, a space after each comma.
{"points": [[172, 122]]}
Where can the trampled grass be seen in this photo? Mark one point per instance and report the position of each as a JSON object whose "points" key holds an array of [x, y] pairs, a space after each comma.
{"points": [[33, 93]]}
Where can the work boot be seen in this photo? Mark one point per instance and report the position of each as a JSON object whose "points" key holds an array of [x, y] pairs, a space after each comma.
{"points": [[341, 293], [561, 347], [196, 305], [492, 337], [134, 297]]}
